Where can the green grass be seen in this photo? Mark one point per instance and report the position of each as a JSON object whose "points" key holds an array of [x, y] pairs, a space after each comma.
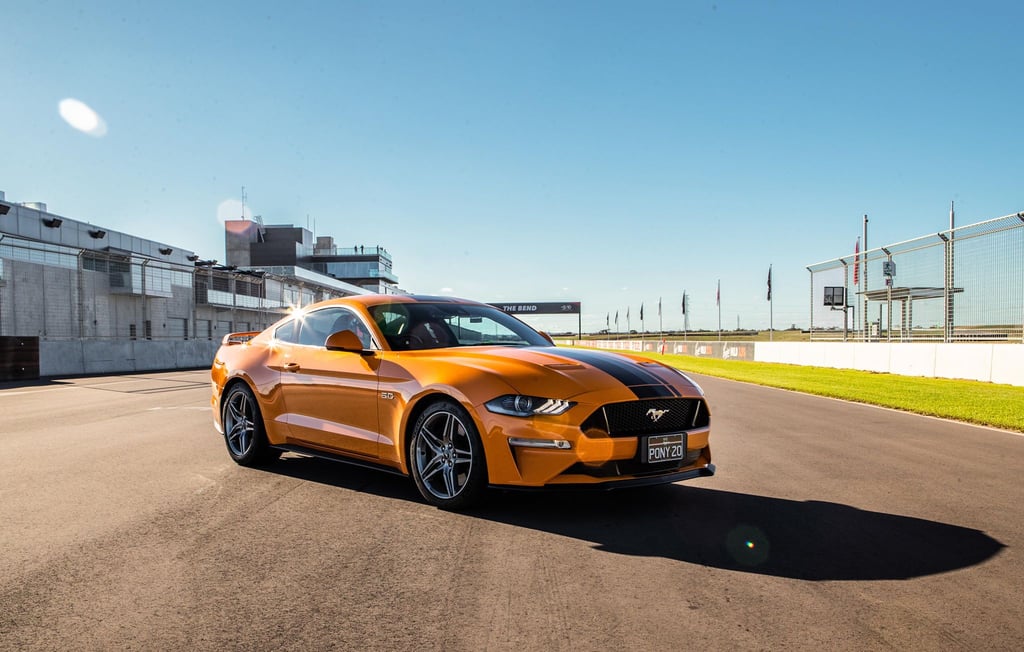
{"points": [[1000, 406]]}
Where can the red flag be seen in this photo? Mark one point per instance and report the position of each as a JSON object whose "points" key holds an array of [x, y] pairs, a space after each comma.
{"points": [[856, 261]]}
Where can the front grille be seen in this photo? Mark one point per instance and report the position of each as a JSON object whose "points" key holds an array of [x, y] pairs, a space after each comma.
{"points": [[636, 418]]}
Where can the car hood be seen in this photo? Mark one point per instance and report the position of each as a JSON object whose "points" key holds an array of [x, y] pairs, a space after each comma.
{"points": [[559, 372]]}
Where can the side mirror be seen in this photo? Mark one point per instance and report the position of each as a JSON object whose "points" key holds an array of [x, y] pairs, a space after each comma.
{"points": [[547, 337], [344, 341]]}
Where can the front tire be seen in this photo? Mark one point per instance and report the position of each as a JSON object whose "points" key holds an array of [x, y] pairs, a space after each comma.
{"points": [[244, 433], [446, 457]]}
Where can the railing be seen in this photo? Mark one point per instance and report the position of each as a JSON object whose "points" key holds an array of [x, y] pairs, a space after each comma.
{"points": [[380, 252], [959, 285]]}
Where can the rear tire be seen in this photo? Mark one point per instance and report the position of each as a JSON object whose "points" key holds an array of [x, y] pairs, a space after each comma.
{"points": [[244, 433], [446, 457]]}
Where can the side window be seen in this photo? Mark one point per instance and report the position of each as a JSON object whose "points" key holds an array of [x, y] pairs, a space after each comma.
{"points": [[286, 332], [315, 327], [349, 321]]}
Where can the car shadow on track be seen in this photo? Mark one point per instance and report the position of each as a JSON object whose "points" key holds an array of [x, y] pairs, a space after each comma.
{"points": [[806, 540]]}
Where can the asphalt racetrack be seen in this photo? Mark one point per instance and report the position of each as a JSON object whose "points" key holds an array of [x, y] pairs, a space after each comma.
{"points": [[124, 525]]}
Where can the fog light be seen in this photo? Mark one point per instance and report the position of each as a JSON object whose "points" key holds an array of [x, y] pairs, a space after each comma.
{"points": [[560, 444]]}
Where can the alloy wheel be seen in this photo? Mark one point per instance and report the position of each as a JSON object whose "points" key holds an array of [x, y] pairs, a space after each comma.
{"points": [[239, 423], [443, 455]]}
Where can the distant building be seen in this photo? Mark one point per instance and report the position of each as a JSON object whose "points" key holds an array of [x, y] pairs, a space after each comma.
{"points": [[252, 245], [87, 299]]}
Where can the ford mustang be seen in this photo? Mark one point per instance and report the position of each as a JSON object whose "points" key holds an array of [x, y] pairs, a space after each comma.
{"points": [[458, 395]]}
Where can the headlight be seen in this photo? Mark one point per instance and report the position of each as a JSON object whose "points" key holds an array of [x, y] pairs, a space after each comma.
{"points": [[517, 405]]}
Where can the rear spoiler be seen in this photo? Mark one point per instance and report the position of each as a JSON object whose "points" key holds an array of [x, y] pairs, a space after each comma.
{"points": [[239, 338]]}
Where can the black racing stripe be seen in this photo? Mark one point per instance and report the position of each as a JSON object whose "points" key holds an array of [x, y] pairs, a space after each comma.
{"points": [[626, 372], [654, 391], [643, 383]]}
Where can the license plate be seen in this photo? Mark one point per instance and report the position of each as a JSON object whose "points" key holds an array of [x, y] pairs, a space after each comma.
{"points": [[665, 448]]}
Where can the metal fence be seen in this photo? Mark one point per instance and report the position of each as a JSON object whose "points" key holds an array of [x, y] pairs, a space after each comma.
{"points": [[56, 292], [960, 285]]}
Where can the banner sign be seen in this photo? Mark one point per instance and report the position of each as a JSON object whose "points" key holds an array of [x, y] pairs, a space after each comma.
{"points": [[550, 308]]}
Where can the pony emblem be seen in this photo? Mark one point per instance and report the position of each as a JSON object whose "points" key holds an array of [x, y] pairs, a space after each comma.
{"points": [[655, 415]]}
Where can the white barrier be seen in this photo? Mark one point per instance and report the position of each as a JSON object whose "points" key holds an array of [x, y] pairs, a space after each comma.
{"points": [[994, 363]]}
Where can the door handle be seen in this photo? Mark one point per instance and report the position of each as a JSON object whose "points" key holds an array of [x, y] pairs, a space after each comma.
{"points": [[291, 366]]}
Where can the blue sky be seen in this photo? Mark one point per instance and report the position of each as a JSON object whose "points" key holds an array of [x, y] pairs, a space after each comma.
{"points": [[604, 152]]}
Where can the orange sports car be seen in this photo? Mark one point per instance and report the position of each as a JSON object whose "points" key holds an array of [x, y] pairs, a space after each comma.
{"points": [[457, 394]]}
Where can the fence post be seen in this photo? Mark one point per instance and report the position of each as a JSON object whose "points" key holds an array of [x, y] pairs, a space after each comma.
{"points": [[888, 298], [147, 333], [195, 304], [949, 284], [81, 294], [864, 285], [846, 302], [811, 327]]}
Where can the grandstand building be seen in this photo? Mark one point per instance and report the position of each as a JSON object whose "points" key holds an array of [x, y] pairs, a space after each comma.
{"points": [[285, 248]]}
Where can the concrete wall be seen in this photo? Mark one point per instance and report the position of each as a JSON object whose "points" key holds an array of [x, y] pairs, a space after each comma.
{"points": [[77, 357]]}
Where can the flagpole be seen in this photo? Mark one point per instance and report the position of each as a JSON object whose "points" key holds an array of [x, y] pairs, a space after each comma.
{"points": [[661, 328], [771, 307], [718, 300], [641, 325], [685, 317], [856, 288]]}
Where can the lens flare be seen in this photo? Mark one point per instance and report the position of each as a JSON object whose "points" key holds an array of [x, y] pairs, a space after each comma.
{"points": [[81, 116], [748, 545], [231, 209]]}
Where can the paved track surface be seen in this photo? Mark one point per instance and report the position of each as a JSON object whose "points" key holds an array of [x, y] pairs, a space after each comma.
{"points": [[124, 525]]}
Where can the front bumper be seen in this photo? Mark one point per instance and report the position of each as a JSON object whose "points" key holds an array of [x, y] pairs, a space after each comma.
{"points": [[705, 471]]}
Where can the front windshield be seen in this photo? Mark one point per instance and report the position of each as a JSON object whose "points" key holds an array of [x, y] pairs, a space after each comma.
{"points": [[413, 326]]}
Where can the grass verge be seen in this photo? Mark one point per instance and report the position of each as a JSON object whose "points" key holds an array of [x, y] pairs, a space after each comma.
{"points": [[999, 406]]}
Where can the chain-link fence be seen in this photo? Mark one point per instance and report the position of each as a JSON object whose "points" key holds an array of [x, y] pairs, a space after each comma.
{"points": [[56, 292], [960, 285]]}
